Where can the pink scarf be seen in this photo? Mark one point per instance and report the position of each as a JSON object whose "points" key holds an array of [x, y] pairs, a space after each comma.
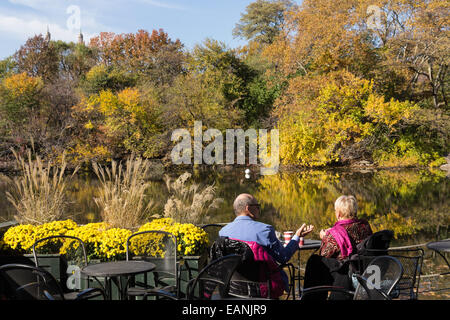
{"points": [[341, 236]]}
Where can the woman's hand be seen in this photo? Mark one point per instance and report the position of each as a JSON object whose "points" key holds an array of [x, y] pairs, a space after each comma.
{"points": [[304, 230], [323, 233]]}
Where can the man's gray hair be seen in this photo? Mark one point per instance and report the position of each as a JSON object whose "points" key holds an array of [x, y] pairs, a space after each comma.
{"points": [[347, 206], [242, 201]]}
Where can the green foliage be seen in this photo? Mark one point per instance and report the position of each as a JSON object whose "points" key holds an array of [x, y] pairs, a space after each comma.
{"points": [[259, 100], [101, 77], [76, 59], [192, 98], [7, 67], [243, 87], [262, 20]]}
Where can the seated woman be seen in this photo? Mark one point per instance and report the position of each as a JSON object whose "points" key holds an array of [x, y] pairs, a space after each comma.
{"points": [[338, 243]]}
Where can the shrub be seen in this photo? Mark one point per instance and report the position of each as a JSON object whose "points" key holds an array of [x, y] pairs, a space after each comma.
{"points": [[112, 244], [90, 234], [101, 241], [19, 238], [22, 237], [191, 240], [346, 116]]}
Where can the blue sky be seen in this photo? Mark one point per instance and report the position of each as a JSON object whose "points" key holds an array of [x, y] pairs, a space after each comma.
{"points": [[191, 21]]}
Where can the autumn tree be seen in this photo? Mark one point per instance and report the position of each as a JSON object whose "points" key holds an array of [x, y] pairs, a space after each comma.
{"points": [[22, 111], [346, 119], [405, 48], [416, 42], [117, 123], [243, 87], [403, 55], [75, 60], [20, 96], [154, 55], [38, 57], [101, 77], [262, 20], [193, 98], [7, 67]]}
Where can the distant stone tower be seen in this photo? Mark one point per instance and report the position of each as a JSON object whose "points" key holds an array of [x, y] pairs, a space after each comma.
{"points": [[80, 38], [48, 36]]}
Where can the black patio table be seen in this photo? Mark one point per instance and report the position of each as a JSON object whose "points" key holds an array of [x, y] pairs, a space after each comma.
{"points": [[112, 271], [441, 247], [309, 244]]}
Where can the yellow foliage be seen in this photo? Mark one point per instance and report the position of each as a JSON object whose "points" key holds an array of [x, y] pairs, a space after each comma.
{"points": [[394, 221], [112, 243], [191, 240], [21, 84], [22, 237], [343, 112]]}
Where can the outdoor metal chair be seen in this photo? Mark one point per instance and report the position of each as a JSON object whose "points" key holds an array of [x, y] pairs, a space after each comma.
{"points": [[68, 270], [160, 248], [411, 260], [250, 275], [377, 282], [212, 282], [25, 282]]}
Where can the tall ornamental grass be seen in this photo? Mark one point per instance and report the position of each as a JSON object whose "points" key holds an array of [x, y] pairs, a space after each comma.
{"points": [[38, 194], [122, 197], [189, 202]]}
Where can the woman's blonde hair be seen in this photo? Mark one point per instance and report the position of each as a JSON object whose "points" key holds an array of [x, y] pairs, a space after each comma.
{"points": [[347, 206]]}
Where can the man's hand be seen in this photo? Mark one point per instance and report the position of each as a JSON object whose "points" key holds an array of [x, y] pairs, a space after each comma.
{"points": [[304, 230]]}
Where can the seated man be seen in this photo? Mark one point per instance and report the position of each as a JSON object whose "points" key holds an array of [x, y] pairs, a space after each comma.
{"points": [[338, 243], [246, 228]]}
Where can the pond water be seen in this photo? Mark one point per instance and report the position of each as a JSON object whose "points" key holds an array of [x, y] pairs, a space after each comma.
{"points": [[415, 204]]}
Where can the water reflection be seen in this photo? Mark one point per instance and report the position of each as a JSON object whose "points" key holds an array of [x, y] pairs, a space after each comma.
{"points": [[410, 202], [413, 203]]}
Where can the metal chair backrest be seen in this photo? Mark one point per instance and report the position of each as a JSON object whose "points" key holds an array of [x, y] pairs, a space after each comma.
{"points": [[411, 260], [379, 279], [73, 257], [246, 280], [214, 277], [153, 245], [25, 282], [75, 249], [158, 247]]}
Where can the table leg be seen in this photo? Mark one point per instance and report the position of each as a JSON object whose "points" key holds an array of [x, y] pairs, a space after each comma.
{"points": [[118, 282], [108, 290], [443, 256], [299, 276]]}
